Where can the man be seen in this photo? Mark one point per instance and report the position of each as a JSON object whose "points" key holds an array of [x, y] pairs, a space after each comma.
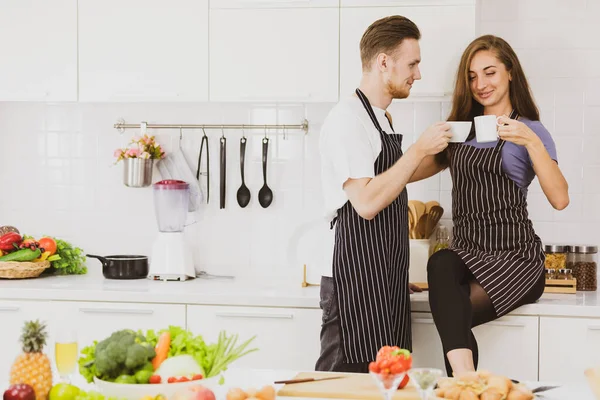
{"points": [[365, 298]]}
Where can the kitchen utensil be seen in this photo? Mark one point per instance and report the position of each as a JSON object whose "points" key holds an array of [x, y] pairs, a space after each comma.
{"points": [[243, 193], [223, 171], [433, 217], [420, 208], [203, 145], [353, 386], [123, 266], [171, 256], [430, 204], [290, 381], [421, 229], [415, 218], [411, 225], [538, 389], [265, 195]]}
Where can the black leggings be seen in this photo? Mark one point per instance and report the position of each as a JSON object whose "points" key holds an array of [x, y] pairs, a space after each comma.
{"points": [[458, 302]]}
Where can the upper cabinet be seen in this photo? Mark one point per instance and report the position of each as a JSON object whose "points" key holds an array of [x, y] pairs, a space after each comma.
{"points": [[38, 43], [274, 51], [143, 50], [447, 27]]}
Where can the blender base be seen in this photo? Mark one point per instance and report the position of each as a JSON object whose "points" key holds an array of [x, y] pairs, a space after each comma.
{"points": [[171, 258]]}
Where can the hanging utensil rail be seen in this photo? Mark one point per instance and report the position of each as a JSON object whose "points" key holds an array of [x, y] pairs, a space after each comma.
{"points": [[121, 126]]}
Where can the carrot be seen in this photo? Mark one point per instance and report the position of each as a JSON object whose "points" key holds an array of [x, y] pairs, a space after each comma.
{"points": [[162, 349]]}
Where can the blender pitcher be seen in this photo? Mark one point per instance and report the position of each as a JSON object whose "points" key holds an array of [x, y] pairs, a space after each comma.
{"points": [[171, 200]]}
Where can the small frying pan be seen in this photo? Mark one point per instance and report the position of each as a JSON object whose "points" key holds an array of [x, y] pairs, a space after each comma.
{"points": [[123, 266]]}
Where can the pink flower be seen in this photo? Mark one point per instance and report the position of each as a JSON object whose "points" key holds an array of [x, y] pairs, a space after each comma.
{"points": [[118, 153], [145, 155], [148, 140], [132, 153]]}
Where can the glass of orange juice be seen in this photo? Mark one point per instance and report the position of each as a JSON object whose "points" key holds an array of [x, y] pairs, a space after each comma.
{"points": [[65, 353]]}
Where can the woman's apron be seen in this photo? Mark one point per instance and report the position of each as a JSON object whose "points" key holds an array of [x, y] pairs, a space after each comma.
{"points": [[370, 267], [492, 231]]}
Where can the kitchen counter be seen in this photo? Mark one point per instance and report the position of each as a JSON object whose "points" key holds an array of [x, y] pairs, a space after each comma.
{"points": [[241, 292]]}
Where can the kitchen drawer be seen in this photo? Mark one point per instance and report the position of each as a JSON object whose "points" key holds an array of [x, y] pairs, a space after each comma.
{"points": [[509, 346], [286, 338], [96, 321], [13, 315], [427, 347], [567, 347]]}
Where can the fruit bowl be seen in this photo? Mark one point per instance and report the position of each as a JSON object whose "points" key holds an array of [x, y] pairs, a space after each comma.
{"points": [[139, 391]]}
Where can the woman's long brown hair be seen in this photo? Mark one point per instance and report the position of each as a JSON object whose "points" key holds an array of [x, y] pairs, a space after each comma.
{"points": [[466, 108]]}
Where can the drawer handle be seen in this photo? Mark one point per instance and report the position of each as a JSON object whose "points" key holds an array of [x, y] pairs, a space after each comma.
{"points": [[423, 321], [10, 308], [594, 328], [116, 311], [255, 315], [509, 324]]}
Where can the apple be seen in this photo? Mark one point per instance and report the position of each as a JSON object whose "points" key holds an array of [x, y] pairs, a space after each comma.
{"points": [[20, 391], [196, 392]]}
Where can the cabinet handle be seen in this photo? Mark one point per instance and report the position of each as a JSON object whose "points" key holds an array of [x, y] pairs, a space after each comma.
{"points": [[255, 315], [505, 323], [277, 98], [594, 328], [10, 308], [423, 321], [116, 311]]}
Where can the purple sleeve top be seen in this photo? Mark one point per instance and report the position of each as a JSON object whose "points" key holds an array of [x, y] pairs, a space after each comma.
{"points": [[516, 162]]}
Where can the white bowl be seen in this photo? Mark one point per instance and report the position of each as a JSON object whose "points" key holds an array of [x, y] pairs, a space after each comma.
{"points": [[138, 391], [460, 130]]}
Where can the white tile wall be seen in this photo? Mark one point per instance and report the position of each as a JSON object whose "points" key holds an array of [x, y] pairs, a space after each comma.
{"points": [[57, 174]]}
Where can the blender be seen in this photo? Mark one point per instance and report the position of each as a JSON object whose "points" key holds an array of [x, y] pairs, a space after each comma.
{"points": [[172, 258]]}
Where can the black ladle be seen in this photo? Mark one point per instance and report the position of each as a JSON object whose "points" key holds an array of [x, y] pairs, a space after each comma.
{"points": [[243, 193], [265, 195]]}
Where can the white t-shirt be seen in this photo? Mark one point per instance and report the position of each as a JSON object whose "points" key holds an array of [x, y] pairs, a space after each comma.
{"points": [[349, 145]]}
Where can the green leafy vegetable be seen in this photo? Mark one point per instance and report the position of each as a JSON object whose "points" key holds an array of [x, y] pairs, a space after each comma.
{"points": [[68, 260]]}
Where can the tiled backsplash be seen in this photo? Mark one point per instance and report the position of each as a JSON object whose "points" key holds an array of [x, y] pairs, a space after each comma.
{"points": [[57, 175]]}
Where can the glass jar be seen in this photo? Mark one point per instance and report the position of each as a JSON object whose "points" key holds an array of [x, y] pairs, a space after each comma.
{"points": [[564, 274], [442, 240], [550, 273], [556, 256], [583, 261]]}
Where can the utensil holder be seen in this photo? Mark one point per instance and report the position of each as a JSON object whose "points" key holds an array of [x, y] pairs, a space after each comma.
{"points": [[137, 172]]}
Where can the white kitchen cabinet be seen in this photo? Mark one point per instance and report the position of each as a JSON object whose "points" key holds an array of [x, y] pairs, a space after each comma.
{"points": [[427, 347], [568, 346], [286, 338], [274, 54], [445, 33], [96, 321], [509, 347], [38, 43], [13, 315], [143, 50]]}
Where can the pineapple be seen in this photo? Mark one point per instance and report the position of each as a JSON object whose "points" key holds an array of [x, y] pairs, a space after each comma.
{"points": [[33, 367]]}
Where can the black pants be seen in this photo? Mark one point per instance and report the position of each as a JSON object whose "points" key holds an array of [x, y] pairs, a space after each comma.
{"points": [[458, 302], [332, 355]]}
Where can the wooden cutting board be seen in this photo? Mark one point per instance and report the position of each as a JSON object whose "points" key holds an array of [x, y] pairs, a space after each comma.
{"points": [[351, 386]]}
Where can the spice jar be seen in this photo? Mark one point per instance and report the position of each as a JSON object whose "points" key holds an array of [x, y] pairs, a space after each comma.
{"points": [[550, 273], [564, 274], [556, 256], [583, 260]]}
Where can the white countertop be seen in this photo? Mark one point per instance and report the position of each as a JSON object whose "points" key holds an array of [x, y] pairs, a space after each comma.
{"points": [[240, 292]]}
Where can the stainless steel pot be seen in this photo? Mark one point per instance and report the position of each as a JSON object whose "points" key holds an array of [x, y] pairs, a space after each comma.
{"points": [[137, 172]]}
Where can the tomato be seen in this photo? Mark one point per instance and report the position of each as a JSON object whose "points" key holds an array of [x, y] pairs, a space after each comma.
{"points": [[374, 367], [48, 244], [404, 382], [172, 379], [197, 377], [155, 379], [183, 379]]}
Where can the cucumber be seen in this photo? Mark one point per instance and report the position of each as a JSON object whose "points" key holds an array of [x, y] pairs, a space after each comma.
{"points": [[22, 255]]}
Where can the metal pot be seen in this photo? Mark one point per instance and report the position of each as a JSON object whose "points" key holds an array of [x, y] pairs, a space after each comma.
{"points": [[137, 172], [123, 266]]}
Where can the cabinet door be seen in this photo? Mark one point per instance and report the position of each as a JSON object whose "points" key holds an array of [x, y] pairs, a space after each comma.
{"points": [[568, 346], [38, 43], [13, 315], [96, 321], [143, 50], [445, 33], [427, 347], [509, 347], [286, 338], [282, 54]]}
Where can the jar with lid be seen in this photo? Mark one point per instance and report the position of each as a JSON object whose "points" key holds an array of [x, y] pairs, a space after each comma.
{"points": [[556, 256], [442, 240], [583, 261], [564, 274], [550, 273]]}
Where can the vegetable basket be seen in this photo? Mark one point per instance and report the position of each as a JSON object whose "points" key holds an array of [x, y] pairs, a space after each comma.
{"points": [[22, 270]]}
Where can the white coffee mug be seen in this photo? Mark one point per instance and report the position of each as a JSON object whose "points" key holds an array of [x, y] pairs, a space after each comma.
{"points": [[486, 128], [460, 130]]}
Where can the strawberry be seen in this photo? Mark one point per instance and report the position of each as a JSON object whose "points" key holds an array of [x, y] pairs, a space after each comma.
{"points": [[374, 367], [155, 379]]}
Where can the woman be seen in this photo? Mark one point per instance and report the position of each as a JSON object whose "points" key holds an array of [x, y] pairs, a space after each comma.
{"points": [[496, 261]]}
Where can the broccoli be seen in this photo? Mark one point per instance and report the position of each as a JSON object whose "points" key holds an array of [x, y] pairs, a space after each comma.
{"points": [[123, 352]]}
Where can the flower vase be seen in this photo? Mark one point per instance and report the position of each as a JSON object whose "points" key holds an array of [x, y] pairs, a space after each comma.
{"points": [[137, 172]]}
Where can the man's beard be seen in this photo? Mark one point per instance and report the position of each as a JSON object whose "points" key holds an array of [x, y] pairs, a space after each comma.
{"points": [[397, 92]]}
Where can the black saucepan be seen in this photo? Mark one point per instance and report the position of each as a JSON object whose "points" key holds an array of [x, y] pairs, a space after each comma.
{"points": [[123, 266]]}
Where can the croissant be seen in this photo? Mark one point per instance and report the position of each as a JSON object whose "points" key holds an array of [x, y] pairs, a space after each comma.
{"points": [[520, 392], [453, 393], [502, 383], [491, 394], [468, 394]]}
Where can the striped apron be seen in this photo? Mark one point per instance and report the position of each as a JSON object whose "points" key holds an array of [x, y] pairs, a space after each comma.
{"points": [[492, 231], [370, 267]]}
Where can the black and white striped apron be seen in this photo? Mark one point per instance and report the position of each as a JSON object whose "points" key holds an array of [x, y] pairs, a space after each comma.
{"points": [[492, 231], [370, 267]]}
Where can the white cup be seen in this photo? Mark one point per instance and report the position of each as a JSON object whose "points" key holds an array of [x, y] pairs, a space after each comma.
{"points": [[460, 130], [486, 128]]}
